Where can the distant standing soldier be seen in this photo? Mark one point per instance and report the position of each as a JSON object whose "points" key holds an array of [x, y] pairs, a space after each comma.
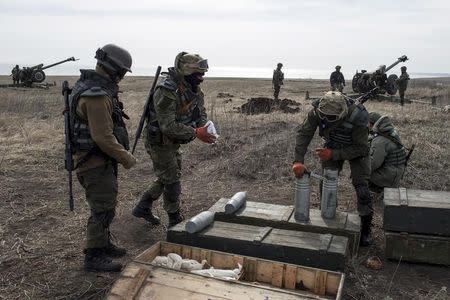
{"points": [[177, 116], [15, 74], [387, 153], [337, 80], [402, 83], [343, 126], [100, 141], [277, 80]]}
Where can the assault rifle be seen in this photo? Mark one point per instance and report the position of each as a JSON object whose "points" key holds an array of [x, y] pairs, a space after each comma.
{"points": [[364, 97], [146, 108], [68, 159]]}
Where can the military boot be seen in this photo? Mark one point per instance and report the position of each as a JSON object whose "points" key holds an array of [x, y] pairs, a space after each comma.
{"points": [[366, 230], [146, 214], [95, 260], [112, 250], [175, 218]]}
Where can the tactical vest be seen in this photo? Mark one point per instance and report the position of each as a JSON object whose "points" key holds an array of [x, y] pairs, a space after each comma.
{"points": [[397, 157], [339, 135], [92, 84]]}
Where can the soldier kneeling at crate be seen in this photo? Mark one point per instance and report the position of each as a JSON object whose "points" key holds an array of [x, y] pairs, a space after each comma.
{"points": [[343, 126], [387, 154]]}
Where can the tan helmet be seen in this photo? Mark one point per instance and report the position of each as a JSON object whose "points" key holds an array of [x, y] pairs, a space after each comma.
{"points": [[187, 63], [332, 107], [114, 59]]}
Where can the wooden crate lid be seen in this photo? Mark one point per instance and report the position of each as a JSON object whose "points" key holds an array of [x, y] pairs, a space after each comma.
{"points": [[416, 198]]}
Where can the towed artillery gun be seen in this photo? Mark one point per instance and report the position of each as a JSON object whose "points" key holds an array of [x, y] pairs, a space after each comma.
{"points": [[364, 82], [35, 74]]}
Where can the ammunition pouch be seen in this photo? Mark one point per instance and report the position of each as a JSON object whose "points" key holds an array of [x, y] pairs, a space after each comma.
{"points": [[154, 134]]}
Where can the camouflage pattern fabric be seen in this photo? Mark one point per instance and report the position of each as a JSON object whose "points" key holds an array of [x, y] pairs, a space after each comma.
{"points": [[402, 84], [348, 139], [337, 81], [100, 185]]}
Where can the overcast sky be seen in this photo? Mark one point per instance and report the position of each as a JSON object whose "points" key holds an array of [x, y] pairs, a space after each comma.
{"points": [[310, 34]]}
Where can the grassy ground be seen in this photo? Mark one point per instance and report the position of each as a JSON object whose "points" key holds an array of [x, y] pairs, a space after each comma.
{"points": [[41, 242]]}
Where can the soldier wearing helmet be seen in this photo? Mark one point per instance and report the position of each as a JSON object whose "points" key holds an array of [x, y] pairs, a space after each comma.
{"points": [[177, 116], [100, 142], [337, 80], [277, 80], [402, 84], [15, 74], [343, 126]]}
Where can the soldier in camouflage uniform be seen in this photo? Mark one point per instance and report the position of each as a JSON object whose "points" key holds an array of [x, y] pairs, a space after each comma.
{"points": [[387, 153], [337, 80], [100, 142], [343, 126], [177, 116], [402, 83], [15, 74], [277, 80]]}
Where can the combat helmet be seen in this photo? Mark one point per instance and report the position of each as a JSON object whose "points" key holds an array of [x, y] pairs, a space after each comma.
{"points": [[114, 59], [187, 64], [337, 67], [403, 68], [279, 65], [332, 107]]}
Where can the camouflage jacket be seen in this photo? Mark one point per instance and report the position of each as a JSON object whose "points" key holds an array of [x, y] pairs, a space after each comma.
{"points": [[348, 138], [278, 77], [402, 81], [337, 77], [177, 111], [387, 155]]}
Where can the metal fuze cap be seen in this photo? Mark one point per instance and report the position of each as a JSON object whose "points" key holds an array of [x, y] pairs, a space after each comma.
{"points": [[332, 107]]}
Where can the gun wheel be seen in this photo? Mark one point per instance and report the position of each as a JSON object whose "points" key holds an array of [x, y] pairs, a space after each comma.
{"points": [[38, 76]]}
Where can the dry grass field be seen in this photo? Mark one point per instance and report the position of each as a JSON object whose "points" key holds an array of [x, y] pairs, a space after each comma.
{"points": [[41, 241]]}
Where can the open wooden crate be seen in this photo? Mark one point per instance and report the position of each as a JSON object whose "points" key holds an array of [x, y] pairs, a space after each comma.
{"points": [[261, 279]]}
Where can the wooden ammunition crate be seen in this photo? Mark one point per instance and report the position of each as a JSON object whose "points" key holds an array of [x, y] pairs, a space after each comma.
{"points": [[418, 248], [261, 279], [282, 217], [417, 211], [316, 250]]}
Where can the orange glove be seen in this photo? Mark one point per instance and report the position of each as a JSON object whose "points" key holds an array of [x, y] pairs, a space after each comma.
{"points": [[324, 154], [202, 134], [299, 169]]}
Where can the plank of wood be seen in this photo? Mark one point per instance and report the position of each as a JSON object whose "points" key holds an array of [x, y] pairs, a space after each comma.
{"points": [[277, 274], [426, 212], [282, 217], [418, 248], [290, 277], [302, 248]]}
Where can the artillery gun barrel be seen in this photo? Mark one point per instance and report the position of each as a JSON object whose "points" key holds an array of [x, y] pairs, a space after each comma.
{"points": [[39, 66], [58, 63], [399, 60]]}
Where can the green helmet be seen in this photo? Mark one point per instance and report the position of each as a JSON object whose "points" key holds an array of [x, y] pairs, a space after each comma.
{"points": [[114, 59], [332, 107], [187, 64], [373, 117]]}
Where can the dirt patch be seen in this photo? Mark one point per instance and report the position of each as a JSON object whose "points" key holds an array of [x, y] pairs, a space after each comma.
{"points": [[224, 95], [262, 105]]}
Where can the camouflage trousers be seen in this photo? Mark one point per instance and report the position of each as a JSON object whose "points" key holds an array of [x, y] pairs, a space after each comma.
{"points": [[337, 86], [401, 93], [167, 166], [360, 173], [276, 91], [100, 185]]}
